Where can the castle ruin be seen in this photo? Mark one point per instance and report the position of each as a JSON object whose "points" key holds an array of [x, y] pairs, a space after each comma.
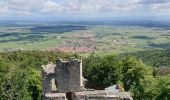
{"points": [[64, 81]]}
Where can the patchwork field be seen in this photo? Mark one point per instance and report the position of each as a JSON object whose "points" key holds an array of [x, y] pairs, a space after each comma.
{"points": [[83, 37]]}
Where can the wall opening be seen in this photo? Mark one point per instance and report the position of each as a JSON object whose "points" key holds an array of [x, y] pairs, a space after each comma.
{"points": [[54, 85], [70, 96]]}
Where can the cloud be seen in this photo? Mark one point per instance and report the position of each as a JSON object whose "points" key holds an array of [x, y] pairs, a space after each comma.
{"points": [[90, 7], [3, 8], [22, 6], [153, 1], [50, 6], [98, 6], [67, 6], [159, 7]]}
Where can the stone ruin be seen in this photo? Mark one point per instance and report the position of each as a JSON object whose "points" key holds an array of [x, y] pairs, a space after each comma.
{"points": [[64, 81]]}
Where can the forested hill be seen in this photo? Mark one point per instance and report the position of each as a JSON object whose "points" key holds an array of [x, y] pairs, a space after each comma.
{"points": [[155, 58]]}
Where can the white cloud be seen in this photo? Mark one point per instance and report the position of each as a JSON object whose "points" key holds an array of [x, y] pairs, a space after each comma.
{"points": [[81, 6], [98, 6], [3, 8], [153, 1], [161, 6], [22, 6], [161, 9], [69, 6], [50, 6]]}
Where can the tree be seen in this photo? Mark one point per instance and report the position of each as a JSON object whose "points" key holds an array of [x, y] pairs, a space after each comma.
{"points": [[3, 72], [103, 72], [146, 89], [134, 70], [164, 86], [34, 84], [23, 84]]}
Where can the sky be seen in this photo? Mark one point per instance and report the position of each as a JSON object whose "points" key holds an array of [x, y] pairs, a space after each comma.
{"points": [[65, 9]]}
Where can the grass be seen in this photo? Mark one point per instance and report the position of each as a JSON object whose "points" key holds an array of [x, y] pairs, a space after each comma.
{"points": [[138, 38]]}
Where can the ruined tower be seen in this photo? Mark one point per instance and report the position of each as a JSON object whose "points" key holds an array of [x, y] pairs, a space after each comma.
{"points": [[64, 81], [69, 75], [65, 76]]}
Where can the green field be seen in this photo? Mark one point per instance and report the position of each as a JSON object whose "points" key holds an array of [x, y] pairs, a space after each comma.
{"points": [[104, 38]]}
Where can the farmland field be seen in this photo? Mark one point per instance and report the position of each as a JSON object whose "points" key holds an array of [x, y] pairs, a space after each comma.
{"points": [[83, 37]]}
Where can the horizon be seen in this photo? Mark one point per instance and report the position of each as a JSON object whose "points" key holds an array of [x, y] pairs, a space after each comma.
{"points": [[94, 19], [84, 10]]}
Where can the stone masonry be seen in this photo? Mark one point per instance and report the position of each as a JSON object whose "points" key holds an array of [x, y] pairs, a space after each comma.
{"points": [[64, 81]]}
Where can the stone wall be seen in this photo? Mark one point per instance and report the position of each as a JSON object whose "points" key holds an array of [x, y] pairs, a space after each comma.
{"points": [[89, 95], [69, 75], [54, 96], [95, 95], [46, 83]]}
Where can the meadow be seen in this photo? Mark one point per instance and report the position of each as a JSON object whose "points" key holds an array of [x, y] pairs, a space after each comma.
{"points": [[84, 37]]}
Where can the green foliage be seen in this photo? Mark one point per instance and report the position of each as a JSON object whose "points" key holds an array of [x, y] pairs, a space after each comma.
{"points": [[34, 83], [155, 58], [136, 77], [3, 72], [103, 72], [146, 89], [133, 71], [3, 68], [20, 77], [21, 85], [164, 88]]}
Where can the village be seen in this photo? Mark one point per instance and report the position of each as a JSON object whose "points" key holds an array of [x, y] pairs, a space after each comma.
{"points": [[88, 42]]}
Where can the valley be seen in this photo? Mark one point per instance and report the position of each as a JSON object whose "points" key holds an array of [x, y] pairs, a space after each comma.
{"points": [[84, 37]]}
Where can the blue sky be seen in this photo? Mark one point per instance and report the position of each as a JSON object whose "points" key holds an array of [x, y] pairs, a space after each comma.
{"points": [[37, 9]]}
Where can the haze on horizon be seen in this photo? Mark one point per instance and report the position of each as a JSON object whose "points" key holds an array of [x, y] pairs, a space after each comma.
{"points": [[83, 9]]}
